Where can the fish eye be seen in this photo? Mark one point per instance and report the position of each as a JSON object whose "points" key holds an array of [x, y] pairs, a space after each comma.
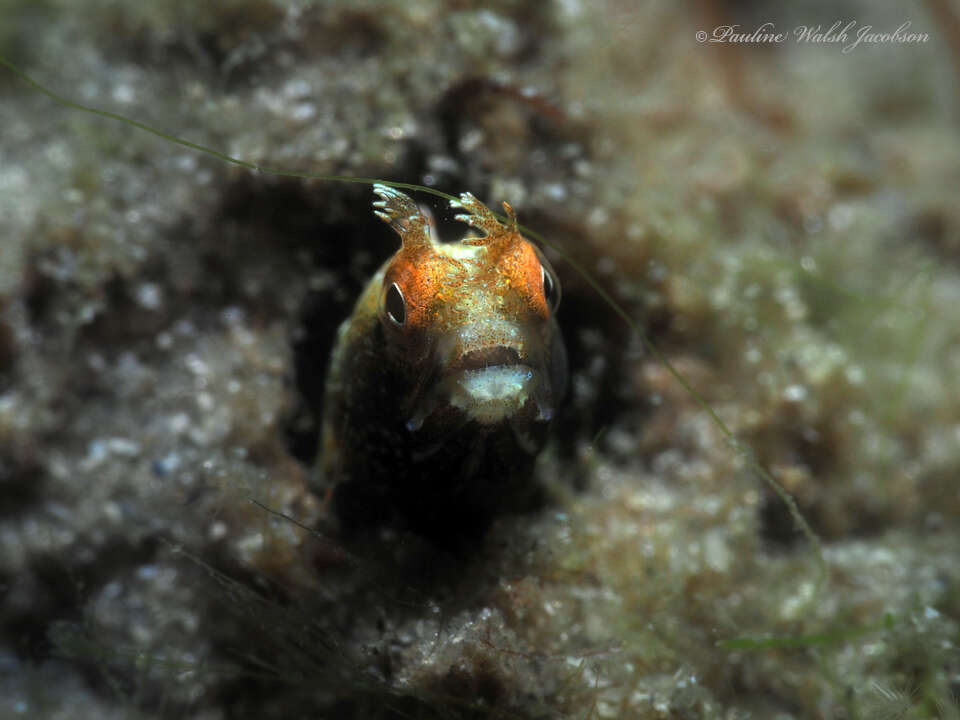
{"points": [[551, 288], [395, 306]]}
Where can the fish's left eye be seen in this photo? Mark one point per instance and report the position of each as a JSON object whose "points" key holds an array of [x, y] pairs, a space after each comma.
{"points": [[395, 306], [551, 288]]}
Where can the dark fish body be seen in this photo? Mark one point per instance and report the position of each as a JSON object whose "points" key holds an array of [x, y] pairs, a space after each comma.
{"points": [[443, 381]]}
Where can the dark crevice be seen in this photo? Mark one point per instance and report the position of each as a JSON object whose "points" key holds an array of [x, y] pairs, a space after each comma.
{"points": [[344, 252]]}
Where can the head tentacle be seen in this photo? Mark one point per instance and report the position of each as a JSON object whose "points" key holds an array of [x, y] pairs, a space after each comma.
{"points": [[401, 213], [481, 217], [477, 214]]}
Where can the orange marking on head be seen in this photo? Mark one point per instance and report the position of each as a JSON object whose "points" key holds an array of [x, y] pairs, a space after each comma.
{"points": [[483, 292], [425, 277], [518, 271]]}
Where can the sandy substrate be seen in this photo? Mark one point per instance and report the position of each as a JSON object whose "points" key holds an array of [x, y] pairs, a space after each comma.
{"points": [[780, 219]]}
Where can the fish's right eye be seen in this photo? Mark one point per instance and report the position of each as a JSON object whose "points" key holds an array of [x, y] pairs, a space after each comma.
{"points": [[551, 287], [395, 306]]}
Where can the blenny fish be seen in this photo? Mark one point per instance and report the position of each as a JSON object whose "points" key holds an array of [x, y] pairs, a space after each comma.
{"points": [[444, 380]]}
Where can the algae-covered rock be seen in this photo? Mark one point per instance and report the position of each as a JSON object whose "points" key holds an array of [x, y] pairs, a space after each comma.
{"points": [[778, 218]]}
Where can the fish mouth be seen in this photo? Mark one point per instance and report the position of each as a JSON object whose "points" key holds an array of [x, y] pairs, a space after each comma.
{"points": [[483, 358], [489, 386], [493, 393]]}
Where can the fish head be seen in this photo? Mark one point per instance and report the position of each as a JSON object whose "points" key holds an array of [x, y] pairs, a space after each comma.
{"points": [[471, 322]]}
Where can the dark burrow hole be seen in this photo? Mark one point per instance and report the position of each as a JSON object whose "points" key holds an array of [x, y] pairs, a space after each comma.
{"points": [[345, 251], [361, 243], [338, 243], [595, 339]]}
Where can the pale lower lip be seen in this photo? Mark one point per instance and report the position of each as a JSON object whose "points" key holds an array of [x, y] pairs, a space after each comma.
{"points": [[493, 393]]}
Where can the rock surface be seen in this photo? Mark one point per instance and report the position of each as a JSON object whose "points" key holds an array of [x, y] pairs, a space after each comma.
{"points": [[780, 220]]}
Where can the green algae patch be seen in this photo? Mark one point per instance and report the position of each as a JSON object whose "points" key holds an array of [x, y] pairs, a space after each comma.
{"points": [[840, 635]]}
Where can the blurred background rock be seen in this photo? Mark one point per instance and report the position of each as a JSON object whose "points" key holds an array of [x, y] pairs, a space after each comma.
{"points": [[780, 219]]}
